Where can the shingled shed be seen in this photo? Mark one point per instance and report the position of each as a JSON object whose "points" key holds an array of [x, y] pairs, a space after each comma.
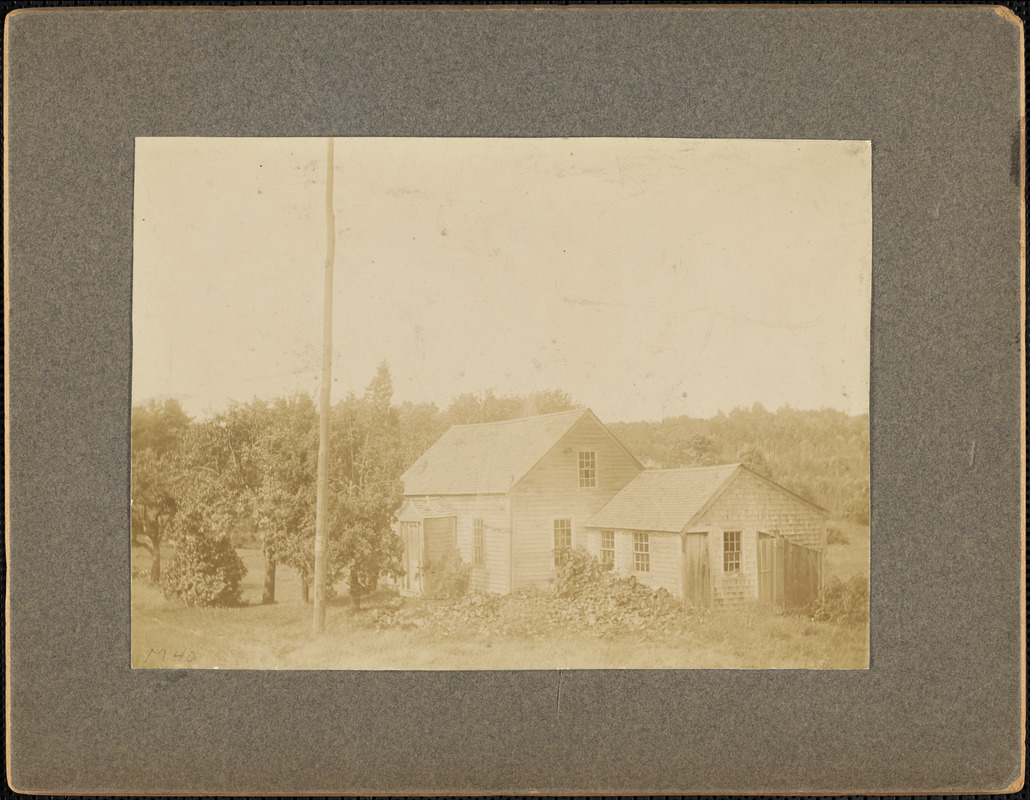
{"points": [[718, 536]]}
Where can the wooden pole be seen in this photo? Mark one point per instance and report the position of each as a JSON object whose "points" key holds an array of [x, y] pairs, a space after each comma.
{"points": [[322, 491]]}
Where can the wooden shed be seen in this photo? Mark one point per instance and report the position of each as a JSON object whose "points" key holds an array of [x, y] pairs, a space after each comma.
{"points": [[717, 536]]}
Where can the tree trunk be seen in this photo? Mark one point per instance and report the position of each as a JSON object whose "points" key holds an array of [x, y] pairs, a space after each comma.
{"points": [[155, 567], [268, 593], [304, 590]]}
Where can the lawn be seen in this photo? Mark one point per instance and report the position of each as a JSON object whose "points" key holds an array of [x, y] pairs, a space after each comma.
{"points": [[279, 636]]}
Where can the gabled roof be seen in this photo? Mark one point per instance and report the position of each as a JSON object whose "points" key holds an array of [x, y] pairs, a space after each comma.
{"points": [[663, 499], [488, 458], [671, 499]]}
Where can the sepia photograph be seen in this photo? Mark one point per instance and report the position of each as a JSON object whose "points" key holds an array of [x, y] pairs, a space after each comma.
{"points": [[500, 404]]}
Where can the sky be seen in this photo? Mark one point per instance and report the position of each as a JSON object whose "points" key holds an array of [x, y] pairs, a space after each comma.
{"points": [[647, 278]]}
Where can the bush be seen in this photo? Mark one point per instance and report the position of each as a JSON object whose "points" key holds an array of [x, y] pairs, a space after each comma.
{"points": [[834, 535], [843, 601], [450, 577], [578, 572], [205, 570]]}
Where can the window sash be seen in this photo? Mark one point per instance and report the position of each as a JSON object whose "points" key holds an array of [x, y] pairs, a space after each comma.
{"points": [[562, 537], [477, 541], [607, 547], [731, 551], [587, 469], [641, 552]]}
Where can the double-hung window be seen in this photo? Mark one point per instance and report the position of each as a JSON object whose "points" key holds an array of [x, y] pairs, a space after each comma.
{"points": [[641, 552], [477, 541], [731, 551], [587, 469], [562, 538], [608, 547]]}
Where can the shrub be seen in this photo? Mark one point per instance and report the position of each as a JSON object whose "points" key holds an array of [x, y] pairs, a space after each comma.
{"points": [[843, 601], [450, 577], [205, 570], [834, 535], [578, 572]]}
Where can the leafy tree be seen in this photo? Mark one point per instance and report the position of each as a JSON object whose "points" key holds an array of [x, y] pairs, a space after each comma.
{"points": [[488, 407], [752, 457], [153, 503], [205, 570], [157, 430], [284, 503], [696, 450], [367, 462]]}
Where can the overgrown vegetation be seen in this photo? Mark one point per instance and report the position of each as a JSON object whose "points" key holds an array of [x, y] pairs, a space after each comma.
{"points": [[835, 535], [587, 597], [843, 601], [206, 570], [449, 577]]}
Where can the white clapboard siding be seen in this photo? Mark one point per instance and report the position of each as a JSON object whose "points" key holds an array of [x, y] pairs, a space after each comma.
{"points": [[551, 491]]}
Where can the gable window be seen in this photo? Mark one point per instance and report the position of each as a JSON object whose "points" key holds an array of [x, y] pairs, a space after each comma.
{"points": [[608, 547], [562, 538], [641, 552], [731, 551], [477, 541], [587, 469]]}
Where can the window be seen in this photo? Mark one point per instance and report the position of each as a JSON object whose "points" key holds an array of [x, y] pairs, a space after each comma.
{"points": [[477, 541], [641, 553], [587, 469], [731, 551], [562, 538], [607, 547]]}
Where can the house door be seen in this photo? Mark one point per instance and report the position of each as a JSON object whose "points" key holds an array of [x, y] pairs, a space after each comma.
{"points": [[440, 541], [411, 532], [696, 572]]}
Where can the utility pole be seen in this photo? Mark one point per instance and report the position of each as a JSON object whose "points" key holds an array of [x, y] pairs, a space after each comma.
{"points": [[322, 491]]}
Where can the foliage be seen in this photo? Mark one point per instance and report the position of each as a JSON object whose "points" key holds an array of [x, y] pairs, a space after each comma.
{"points": [[451, 577], [578, 572], [157, 433], [588, 597], [835, 535], [205, 570], [822, 455], [752, 457], [368, 462], [843, 601], [284, 502], [488, 407]]}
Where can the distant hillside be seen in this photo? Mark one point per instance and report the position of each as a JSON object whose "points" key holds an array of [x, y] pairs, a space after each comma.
{"points": [[822, 455]]}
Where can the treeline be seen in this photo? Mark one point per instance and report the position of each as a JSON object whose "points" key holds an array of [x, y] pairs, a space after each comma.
{"points": [[247, 475], [822, 455]]}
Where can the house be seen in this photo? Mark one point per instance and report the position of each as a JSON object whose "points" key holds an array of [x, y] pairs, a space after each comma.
{"points": [[505, 496], [717, 536]]}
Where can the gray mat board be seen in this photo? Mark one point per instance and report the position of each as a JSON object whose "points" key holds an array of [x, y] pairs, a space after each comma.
{"points": [[936, 90]]}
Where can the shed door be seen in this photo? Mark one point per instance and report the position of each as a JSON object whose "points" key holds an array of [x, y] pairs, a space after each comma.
{"points": [[441, 539], [696, 582], [770, 569]]}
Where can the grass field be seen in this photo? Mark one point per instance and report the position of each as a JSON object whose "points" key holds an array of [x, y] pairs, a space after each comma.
{"points": [[168, 635]]}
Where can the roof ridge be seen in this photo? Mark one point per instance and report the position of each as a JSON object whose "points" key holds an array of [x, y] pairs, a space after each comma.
{"points": [[690, 469], [520, 419]]}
